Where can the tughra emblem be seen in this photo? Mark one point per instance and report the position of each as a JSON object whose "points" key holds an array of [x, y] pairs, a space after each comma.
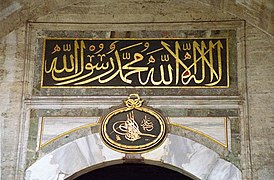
{"points": [[133, 127]]}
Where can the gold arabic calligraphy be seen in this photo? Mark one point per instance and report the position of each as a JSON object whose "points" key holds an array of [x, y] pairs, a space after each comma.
{"points": [[130, 128], [137, 62]]}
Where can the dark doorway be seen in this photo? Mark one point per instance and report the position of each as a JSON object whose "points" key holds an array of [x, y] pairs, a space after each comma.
{"points": [[133, 172]]}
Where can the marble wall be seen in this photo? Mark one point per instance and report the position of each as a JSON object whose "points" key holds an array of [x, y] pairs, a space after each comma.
{"points": [[216, 129], [89, 151]]}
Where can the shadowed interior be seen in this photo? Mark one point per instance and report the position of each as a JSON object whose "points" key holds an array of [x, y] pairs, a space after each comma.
{"points": [[133, 172]]}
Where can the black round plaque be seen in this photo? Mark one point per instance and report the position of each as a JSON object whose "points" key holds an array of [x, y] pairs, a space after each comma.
{"points": [[133, 128]]}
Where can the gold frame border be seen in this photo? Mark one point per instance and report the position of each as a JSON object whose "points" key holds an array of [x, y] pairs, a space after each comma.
{"points": [[141, 87], [136, 149]]}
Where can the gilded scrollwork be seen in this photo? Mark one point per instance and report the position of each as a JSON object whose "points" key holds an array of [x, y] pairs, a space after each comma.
{"points": [[130, 128]]}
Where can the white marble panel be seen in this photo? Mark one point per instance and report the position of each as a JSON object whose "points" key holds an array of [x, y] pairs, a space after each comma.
{"points": [[71, 158], [54, 126], [108, 153], [158, 153], [190, 156], [225, 171], [215, 127], [52, 170]]}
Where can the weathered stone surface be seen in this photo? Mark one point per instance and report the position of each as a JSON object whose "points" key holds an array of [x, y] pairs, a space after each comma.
{"points": [[255, 12], [260, 53], [12, 61]]}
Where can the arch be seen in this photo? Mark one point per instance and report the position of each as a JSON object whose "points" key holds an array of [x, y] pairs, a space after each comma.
{"points": [[87, 152], [120, 162], [125, 171]]}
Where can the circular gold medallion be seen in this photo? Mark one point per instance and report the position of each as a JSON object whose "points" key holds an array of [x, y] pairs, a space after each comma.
{"points": [[133, 129]]}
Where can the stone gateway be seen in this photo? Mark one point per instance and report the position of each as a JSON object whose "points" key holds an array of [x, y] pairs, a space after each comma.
{"points": [[97, 87]]}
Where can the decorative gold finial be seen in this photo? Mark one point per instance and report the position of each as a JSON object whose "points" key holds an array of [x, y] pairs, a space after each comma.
{"points": [[133, 101]]}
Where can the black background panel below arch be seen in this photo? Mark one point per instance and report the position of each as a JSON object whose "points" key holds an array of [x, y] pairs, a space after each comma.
{"points": [[133, 172]]}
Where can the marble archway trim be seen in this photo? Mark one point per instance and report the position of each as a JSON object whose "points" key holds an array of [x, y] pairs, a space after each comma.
{"points": [[183, 153]]}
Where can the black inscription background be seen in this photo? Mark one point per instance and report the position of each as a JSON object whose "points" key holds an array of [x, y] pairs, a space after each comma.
{"points": [[138, 117], [120, 62]]}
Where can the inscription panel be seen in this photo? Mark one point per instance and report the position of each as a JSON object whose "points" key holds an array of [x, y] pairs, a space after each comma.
{"points": [[135, 62]]}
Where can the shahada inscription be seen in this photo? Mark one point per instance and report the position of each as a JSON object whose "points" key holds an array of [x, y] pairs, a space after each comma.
{"points": [[135, 62]]}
